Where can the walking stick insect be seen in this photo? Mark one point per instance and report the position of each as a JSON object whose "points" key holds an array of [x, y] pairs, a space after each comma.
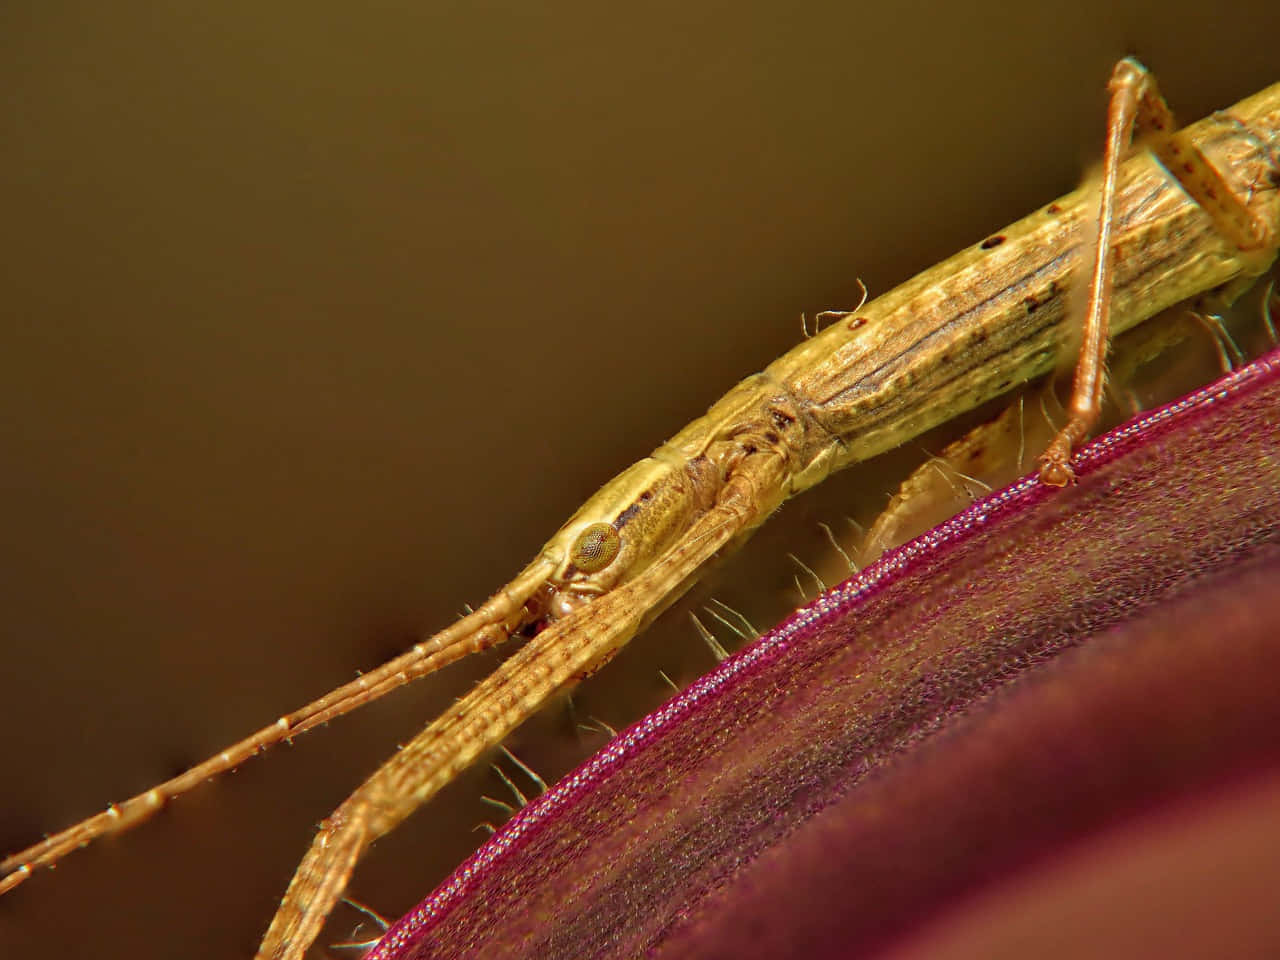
{"points": [[1205, 214]]}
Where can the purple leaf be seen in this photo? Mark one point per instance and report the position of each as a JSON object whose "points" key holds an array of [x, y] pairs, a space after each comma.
{"points": [[1045, 665]]}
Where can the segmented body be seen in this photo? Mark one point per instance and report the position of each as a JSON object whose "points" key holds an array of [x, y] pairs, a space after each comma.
{"points": [[955, 336]]}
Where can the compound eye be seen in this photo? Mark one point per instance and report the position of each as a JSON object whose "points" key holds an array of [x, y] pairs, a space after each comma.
{"points": [[595, 547]]}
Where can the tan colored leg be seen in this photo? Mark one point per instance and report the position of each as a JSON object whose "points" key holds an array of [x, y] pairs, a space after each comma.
{"points": [[1131, 86], [1135, 102]]}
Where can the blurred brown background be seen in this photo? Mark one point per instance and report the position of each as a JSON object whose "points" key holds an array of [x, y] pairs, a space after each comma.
{"points": [[319, 318]]}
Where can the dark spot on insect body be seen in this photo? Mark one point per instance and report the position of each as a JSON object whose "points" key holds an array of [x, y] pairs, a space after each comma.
{"points": [[626, 515], [857, 322], [781, 419], [1053, 208], [1031, 303], [646, 496], [750, 448], [702, 473], [992, 242], [771, 437]]}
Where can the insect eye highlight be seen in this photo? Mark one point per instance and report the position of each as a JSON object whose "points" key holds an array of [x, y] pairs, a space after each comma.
{"points": [[595, 547]]}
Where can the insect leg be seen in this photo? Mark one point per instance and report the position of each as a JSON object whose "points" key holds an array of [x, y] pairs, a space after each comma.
{"points": [[1136, 103], [1132, 90]]}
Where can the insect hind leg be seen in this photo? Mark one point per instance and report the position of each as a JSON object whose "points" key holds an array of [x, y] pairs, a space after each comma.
{"points": [[1136, 106]]}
